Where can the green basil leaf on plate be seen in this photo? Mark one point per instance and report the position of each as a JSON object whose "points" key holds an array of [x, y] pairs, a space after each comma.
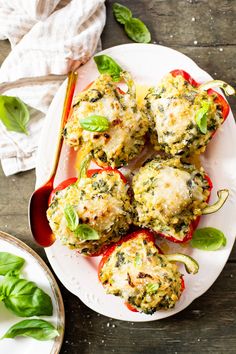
{"points": [[24, 298], [107, 65], [137, 31], [86, 232], [9, 262], [14, 114], [208, 239], [122, 13], [201, 117], [72, 217], [35, 328], [95, 123]]}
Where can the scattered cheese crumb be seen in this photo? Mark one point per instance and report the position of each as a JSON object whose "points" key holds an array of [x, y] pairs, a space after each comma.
{"points": [[193, 19], [221, 49], [195, 42]]}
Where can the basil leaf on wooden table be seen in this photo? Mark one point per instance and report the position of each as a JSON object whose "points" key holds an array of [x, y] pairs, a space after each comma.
{"points": [[121, 13], [86, 232], [137, 31], [106, 65], [134, 27], [14, 114], [71, 217], [208, 239], [201, 117], [25, 298], [9, 262], [35, 328], [95, 123]]}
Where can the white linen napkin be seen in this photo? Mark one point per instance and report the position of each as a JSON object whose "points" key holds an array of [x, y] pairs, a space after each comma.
{"points": [[48, 39]]}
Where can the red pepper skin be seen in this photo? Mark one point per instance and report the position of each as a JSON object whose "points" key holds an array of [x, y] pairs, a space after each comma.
{"points": [[60, 187], [149, 236], [186, 76], [194, 223], [219, 99], [90, 173]]}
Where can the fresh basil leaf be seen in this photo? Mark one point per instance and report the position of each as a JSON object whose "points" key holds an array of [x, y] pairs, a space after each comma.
{"points": [[201, 117], [86, 232], [208, 239], [106, 65], [71, 217], [14, 114], [137, 31], [121, 13], [95, 123], [37, 329], [24, 298], [9, 262]]}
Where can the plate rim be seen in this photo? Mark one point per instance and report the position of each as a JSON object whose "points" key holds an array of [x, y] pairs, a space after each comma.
{"points": [[4, 236]]}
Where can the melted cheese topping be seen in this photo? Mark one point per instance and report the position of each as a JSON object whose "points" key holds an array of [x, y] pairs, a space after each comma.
{"points": [[172, 108], [101, 202], [141, 276], [168, 196], [125, 137]]}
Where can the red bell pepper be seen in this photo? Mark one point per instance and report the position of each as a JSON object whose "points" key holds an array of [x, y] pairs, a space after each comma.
{"points": [[60, 187], [194, 223], [149, 236], [219, 98]]}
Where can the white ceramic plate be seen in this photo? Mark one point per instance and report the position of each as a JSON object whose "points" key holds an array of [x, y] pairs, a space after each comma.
{"points": [[148, 64], [35, 270]]}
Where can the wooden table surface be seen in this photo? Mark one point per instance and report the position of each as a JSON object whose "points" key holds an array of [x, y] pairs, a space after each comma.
{"points": [[205, 30]]}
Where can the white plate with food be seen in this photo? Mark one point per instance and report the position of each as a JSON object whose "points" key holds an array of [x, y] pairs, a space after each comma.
{"points": [[147, 64], [17, 256]]}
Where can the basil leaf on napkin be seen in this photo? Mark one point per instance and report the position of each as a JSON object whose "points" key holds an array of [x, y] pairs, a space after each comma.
{"points": [[71, 217], [37, 329], [14, 114], [106, 65], [86, 232], [121, 13], [24, 298], [95, 123], [208, 239], [9, 262]]}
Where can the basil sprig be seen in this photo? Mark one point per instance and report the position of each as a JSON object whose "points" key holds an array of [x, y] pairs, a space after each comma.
{"points": [[71, 216], [95, 123], [24, 298], [83, 231], [9, 263], [135, 28], [35, 328], [14, 114], [201, 117], [208, 239], [107, 65]]}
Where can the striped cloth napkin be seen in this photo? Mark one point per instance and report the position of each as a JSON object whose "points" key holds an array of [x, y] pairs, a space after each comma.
{"points": [[48, 39]]}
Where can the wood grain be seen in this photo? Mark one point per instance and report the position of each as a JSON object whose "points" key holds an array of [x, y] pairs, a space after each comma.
{"points": [[208, 324]]}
